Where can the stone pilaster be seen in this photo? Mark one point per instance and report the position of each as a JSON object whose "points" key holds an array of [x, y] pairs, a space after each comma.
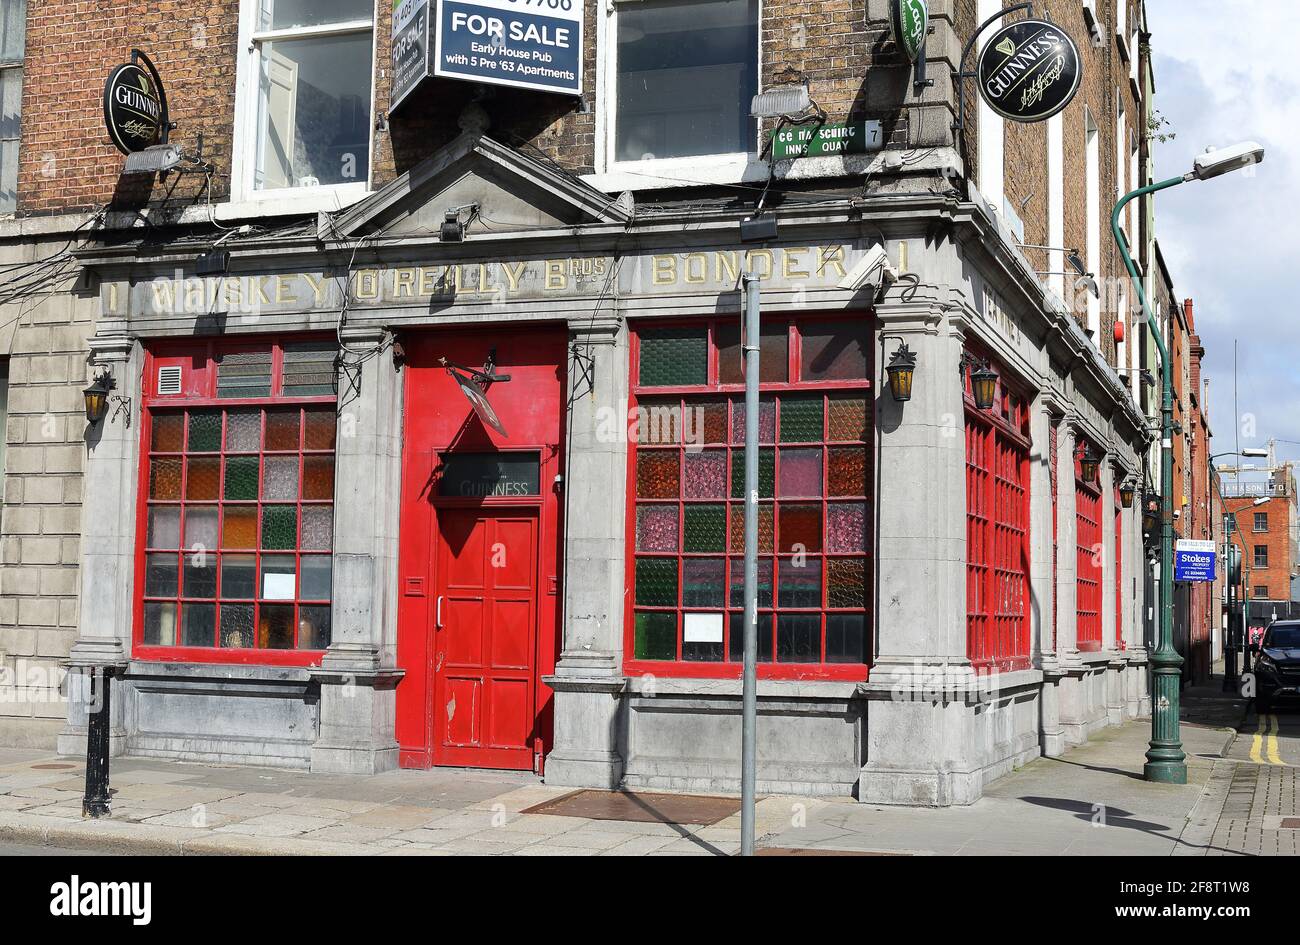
{"points": [[917, 752], [108, 539], [588, 681], [1046, 657], [357, 675]]}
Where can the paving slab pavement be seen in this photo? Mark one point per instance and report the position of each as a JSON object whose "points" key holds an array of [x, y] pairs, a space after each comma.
{"points": [[1092, 801]]}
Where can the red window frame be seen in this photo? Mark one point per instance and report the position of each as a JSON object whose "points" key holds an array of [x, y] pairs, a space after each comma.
{"points": [[712, 391], [997, 531], [198, 360], [1088, 573]]}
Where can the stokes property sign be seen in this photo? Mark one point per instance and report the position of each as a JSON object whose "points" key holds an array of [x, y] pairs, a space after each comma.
{"points": [[1029, 71]]}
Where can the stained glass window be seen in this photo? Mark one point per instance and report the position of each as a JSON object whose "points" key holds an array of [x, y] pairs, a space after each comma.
{"points": [[687, 531], [239, 534]]}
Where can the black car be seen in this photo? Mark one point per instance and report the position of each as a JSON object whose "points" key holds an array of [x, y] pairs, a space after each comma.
{"points": [[1277, 665]]}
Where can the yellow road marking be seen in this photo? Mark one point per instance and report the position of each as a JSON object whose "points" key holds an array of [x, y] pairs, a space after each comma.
{"points": [[1263, 747]]}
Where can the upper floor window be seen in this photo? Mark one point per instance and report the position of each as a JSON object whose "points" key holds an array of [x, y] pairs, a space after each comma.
{"points": [[13, 36], [1261, 521], [303, 111], [685, 73], [1261, 556]]}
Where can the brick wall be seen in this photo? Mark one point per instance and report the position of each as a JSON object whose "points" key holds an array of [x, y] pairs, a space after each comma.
{"points": [[68, 164], [1277, 577]]}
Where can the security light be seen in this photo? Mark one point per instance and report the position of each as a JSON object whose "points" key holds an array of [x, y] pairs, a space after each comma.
{"points": [[1255, 452], [1077, 264], [781, 100], [1216, 162], [152, 160]]}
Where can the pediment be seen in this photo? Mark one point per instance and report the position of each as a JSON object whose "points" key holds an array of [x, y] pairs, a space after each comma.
{"points": [[513, 191]]}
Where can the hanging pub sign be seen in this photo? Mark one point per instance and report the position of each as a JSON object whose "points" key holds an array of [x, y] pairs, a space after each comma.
{"points": [[911, 22], [1028, 71], [135, 105], [491, 41], [473, 384]]}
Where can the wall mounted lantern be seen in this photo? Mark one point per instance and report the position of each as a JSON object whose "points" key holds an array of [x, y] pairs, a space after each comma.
{"points": [[1089, 462], [901, 369], [97, 395], [1126, 493], [983, 383]]}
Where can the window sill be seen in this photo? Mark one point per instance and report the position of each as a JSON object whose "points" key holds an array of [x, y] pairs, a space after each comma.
{"points": [[288, 202], [638, 685], [232, 657], [727, 675], [679, 172]]}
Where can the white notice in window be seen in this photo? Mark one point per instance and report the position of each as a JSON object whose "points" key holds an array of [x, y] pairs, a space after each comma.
{"points": [[278, 587], [702, 628]]}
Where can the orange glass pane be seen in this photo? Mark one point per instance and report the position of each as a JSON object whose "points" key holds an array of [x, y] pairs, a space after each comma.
{"points": [[320, 429], [165, 479], [239, 527], [203, 479], [318, 477], [801, 528], [282, 429], [168, 433]]}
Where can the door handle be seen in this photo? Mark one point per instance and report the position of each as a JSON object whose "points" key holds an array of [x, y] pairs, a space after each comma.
{"points": [[437, 620]]}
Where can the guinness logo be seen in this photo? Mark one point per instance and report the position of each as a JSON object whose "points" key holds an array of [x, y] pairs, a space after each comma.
{"points": [[135, 108], [1029, 71]]}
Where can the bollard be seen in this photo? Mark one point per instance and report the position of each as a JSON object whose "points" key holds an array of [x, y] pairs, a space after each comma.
{"points": [[95, 803]]}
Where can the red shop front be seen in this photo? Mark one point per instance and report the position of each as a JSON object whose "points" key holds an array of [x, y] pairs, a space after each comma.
{"points": [[480, 550]]}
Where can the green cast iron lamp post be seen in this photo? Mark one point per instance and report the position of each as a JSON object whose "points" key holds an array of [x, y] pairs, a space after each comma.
{"points": [[1166, 762]]}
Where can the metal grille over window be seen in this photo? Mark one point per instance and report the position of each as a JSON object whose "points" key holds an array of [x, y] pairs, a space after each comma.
{"points": [[1088, 513], [244, 374], [309, 370], [814, 515]]}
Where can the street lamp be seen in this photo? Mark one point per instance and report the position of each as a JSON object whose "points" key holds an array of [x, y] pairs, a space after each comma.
{"points": [[902, 367], [1165, 759], [1126, 493]]}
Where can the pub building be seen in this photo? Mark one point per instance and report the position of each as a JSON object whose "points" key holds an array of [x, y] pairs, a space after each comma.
{"points": [[453, 477]]}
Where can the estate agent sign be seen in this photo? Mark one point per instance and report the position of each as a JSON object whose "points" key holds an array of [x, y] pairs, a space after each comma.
{"points": [[1194, 560], [524, 44], [1029, 71]]}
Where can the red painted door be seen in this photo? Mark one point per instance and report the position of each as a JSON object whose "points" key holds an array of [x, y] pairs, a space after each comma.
{"points": [[485, 638]]}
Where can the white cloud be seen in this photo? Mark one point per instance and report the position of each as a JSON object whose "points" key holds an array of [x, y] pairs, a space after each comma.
{"points": [[1222, 75]]}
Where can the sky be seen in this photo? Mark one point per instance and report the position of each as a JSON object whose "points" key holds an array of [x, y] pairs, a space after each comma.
{"points": [[1225, 72]]}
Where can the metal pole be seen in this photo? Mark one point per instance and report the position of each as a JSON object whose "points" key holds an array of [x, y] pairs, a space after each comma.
{"points": [[95, 802], [749, 691], [1166, 762]]}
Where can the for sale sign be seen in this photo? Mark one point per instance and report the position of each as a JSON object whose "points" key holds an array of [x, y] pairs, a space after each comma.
{"points": [[1194, 560], [525, 44]]}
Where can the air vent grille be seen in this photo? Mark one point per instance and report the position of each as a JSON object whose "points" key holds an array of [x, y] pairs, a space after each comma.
{"points": [[169, 379]]}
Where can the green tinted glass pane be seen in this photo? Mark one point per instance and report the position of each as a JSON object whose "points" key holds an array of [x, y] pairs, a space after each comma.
{"points": [[766, 473], [205, 432], [279, 526], [241, 477], [656, 582], [674, 356], [656, 636], [801, 419], [702, 582], [706, 528]]}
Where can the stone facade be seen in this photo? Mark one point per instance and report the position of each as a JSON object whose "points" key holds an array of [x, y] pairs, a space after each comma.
{"points": [[927, 726]]}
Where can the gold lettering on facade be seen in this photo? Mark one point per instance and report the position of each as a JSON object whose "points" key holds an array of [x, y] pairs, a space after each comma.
{"points": [[557, 279], [283, 285], [513, 271], [759, 263], [828, 256], [317, 287], [664, 270], [788, 261], [366, 284], [696, 268], [726, 268], [404, 283]]}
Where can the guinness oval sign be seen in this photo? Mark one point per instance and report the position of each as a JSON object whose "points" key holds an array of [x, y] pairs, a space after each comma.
{"points": [[135, 108], [1029, 71]]}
